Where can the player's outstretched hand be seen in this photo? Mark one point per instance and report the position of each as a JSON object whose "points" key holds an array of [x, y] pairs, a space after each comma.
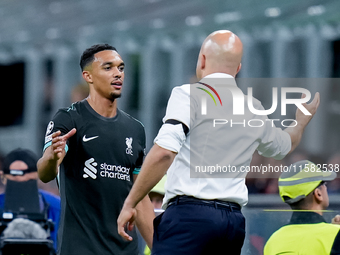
{"points": [[59, 143], [311, 107], [336, 220], [126, 220]]}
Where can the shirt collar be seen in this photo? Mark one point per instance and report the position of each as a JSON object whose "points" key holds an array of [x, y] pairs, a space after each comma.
{"points": [[306, 218], [212, 78], [218, 75]]}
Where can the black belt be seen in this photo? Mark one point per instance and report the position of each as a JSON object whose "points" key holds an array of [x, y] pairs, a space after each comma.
{"points": [[215, 203]]}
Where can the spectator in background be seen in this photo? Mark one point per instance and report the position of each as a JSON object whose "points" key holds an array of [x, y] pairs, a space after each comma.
{"points": [[20, 165], [307, 233]]}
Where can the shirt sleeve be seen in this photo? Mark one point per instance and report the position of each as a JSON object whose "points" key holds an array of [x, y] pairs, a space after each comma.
{"points": [[172, 136], [141, 154], [274, 142], [178, 107], [61, 121]]}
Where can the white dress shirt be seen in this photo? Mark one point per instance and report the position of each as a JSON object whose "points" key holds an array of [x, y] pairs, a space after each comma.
{"points": [[221, 145]]}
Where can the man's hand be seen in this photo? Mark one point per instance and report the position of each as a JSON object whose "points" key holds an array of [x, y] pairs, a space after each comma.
{"points": [[336, 220], [153, 169], [59, 143], [126, 218], [303, 119], [53, 156]]}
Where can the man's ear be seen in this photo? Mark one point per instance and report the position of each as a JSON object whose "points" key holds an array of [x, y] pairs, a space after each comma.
{"points": [[202, 62], [318, 195], [238, 68], [87, 76]]}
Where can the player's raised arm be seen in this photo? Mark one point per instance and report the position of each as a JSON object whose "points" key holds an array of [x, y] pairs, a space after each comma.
{"points": [[53, 156]]}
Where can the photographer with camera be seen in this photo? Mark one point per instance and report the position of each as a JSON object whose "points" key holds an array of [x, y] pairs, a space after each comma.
{"points": [[20, 170]]}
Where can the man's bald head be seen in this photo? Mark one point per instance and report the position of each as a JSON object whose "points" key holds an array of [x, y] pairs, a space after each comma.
{"points": [[221, 52]]}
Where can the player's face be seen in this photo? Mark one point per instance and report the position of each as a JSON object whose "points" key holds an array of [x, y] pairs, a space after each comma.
{"points": [[107, 74]]}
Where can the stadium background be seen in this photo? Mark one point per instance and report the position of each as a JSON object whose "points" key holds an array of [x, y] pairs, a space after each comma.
{"points": [[41, 42]]}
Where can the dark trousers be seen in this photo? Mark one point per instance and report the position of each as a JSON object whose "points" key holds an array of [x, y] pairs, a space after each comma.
{"points": [[197, 227]]}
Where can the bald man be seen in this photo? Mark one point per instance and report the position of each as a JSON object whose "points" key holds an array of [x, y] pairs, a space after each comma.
{"points": [[203, 215]]}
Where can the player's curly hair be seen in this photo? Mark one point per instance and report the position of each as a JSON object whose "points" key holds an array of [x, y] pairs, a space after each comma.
{"points": [[88, 55]]}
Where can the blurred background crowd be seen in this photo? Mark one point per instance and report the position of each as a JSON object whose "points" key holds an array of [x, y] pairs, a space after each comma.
{"points": [[286, 43], [159, 40]]}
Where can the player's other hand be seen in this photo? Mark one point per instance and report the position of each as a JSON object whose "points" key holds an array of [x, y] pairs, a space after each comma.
{"points": [[311, 107], [126, 221], [59, 143], [336, 220]]}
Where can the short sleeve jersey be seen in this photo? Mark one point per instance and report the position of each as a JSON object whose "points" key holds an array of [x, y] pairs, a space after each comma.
{"points": [[95, 177]]}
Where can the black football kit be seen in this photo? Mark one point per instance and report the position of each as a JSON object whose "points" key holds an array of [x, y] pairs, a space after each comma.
{"points": [[95, 177]]}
